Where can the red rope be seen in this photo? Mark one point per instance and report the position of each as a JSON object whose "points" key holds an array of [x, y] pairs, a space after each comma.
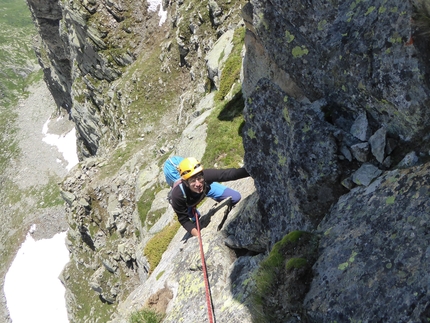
{"points": [[205, 273]]}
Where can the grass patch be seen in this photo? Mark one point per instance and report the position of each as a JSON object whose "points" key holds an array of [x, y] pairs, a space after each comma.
{"points": [[153, 217], [287, 268], [295, 263], [224, 136], [144, 205], [268, 271], [158, 244], [230, 74], [88, 300], [161, 273], [231, 70], [146, 316]]}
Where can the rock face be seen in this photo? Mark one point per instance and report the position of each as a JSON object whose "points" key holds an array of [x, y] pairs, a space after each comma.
{"points": [[375, 244], [359, 56], [355, 86], [55, 58], [343, 106], [300, 159], [78, 61], [335, 138]]}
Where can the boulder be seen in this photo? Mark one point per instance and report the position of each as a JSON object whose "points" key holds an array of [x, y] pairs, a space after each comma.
{"points": [[377, 143]]}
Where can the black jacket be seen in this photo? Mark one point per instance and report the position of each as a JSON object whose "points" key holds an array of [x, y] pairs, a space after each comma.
{"points": [[180, 204]]}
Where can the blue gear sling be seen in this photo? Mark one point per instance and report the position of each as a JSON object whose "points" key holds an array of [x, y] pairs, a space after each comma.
{"points": [[171, 173]]}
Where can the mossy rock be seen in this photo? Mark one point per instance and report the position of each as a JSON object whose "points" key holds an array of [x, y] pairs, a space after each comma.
{"points": [[296, 263], [283, 278]]}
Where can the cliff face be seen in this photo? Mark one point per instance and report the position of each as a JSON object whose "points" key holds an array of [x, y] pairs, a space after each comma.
{"points": [[349, 115], [362, 100], [335, 139], [130, 85]]}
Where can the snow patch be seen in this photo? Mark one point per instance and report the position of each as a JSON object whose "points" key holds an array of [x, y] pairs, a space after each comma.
{"points": [[153, 5], [32, 288], [66, 144]]}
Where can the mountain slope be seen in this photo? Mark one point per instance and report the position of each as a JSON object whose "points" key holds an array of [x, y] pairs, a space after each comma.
{"points": [[335, 109]]}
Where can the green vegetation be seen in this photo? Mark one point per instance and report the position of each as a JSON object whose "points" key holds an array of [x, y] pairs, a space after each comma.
{"points": [[16, 64], [158, 244], [161, 273], [224, 136], [295, 263], [146, 316], [269, 268], [289, 261], [231, 71], [89, 301], [144, 205], [230, 74]]}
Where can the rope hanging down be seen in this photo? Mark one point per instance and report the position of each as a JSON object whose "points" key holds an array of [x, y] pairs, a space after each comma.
{"points": [[205, 273]]}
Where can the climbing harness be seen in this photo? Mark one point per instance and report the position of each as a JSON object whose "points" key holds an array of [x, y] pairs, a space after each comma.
{"points": [[205, 273]]}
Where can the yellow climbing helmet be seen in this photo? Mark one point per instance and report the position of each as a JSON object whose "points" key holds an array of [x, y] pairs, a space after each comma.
{"points": [[189, 167]]}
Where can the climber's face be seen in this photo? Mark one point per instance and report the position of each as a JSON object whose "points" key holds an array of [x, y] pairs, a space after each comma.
{"points": [[196, 183]]}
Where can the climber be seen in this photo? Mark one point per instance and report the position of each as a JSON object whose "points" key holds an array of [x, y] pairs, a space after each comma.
{"points": [[195, 184]]}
